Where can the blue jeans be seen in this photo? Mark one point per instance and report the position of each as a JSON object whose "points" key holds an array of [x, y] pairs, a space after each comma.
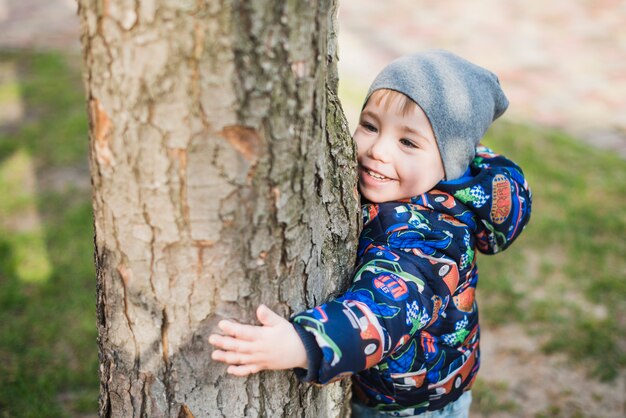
{"points": [[457, 409]]}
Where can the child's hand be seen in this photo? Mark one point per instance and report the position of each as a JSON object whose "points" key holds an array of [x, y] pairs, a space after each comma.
{"points": [[249, 348]]}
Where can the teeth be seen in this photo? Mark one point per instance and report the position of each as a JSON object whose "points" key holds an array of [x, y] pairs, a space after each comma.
{"points": [[376, 176]]}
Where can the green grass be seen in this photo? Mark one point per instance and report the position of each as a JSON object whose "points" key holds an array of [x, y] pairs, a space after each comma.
{"points": [[490, 398], [48, 351], [54, 125]]}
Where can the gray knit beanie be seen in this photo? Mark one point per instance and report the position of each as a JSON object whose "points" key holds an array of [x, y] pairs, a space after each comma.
{"points": [[459, 98]]}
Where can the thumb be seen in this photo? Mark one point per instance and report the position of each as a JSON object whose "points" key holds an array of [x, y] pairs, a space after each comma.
{"points": [[267, 316]]}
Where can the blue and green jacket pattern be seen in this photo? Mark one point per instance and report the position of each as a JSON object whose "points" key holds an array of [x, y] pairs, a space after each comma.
{"points": [[407, 328]]}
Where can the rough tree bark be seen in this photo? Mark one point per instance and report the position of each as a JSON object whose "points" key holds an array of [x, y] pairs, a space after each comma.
{"points": [[223, 176]]}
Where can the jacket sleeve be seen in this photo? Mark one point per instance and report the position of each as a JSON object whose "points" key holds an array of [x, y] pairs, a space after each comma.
{"points": [[388, 301], [496, 191]]}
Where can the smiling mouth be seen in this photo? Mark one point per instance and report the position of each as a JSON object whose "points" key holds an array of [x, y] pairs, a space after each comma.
{"points": [[376, 175]]}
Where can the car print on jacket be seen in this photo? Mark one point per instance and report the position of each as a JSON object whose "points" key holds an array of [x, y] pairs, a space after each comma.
{"points": [[457, 372], [390, 269], [372, 336], [315, 321]]}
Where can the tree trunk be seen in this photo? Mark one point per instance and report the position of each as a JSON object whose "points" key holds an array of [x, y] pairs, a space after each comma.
{"points": [[223, 177]]}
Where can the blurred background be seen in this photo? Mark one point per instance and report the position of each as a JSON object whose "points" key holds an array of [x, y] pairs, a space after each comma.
{"points": [[553, 307]]}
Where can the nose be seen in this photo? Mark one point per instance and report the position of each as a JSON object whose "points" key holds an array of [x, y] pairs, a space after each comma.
{"points": [[379, 150]]}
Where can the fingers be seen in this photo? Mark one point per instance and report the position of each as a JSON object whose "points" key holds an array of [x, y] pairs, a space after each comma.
{"points": [[239, 331], [240, 364], [231, 344], [244, 370], [245, 347], [267, 316], [232, 357]]}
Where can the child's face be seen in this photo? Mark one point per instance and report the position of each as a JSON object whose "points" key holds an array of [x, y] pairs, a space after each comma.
{"points": [[397, 151]]}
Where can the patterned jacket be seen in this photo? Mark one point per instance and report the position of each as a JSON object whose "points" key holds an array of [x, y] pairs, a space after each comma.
{"points": [[407, 328]]}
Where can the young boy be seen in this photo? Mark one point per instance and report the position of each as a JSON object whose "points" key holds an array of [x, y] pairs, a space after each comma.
{"points": [[407, 329]]}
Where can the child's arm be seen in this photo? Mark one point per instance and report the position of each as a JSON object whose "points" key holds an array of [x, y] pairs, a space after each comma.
{"points": [[395, 293], [343, 336], [274, 345], [498, 194]]}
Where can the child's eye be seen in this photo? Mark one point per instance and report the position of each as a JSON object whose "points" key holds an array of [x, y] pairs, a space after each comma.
{"points": [[407, 143], [368, 127]]}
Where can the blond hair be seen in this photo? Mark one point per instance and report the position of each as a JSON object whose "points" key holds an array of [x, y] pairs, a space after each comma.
{"points": [[393, 100]]}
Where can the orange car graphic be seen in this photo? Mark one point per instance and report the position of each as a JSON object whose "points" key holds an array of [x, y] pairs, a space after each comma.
{"points": [[464, 301], [444, 198], [371, 332], [458, 371], [446, 269], [410, 380]]}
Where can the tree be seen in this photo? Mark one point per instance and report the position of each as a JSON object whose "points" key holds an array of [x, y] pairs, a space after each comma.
{"points": [[223, 176]]}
